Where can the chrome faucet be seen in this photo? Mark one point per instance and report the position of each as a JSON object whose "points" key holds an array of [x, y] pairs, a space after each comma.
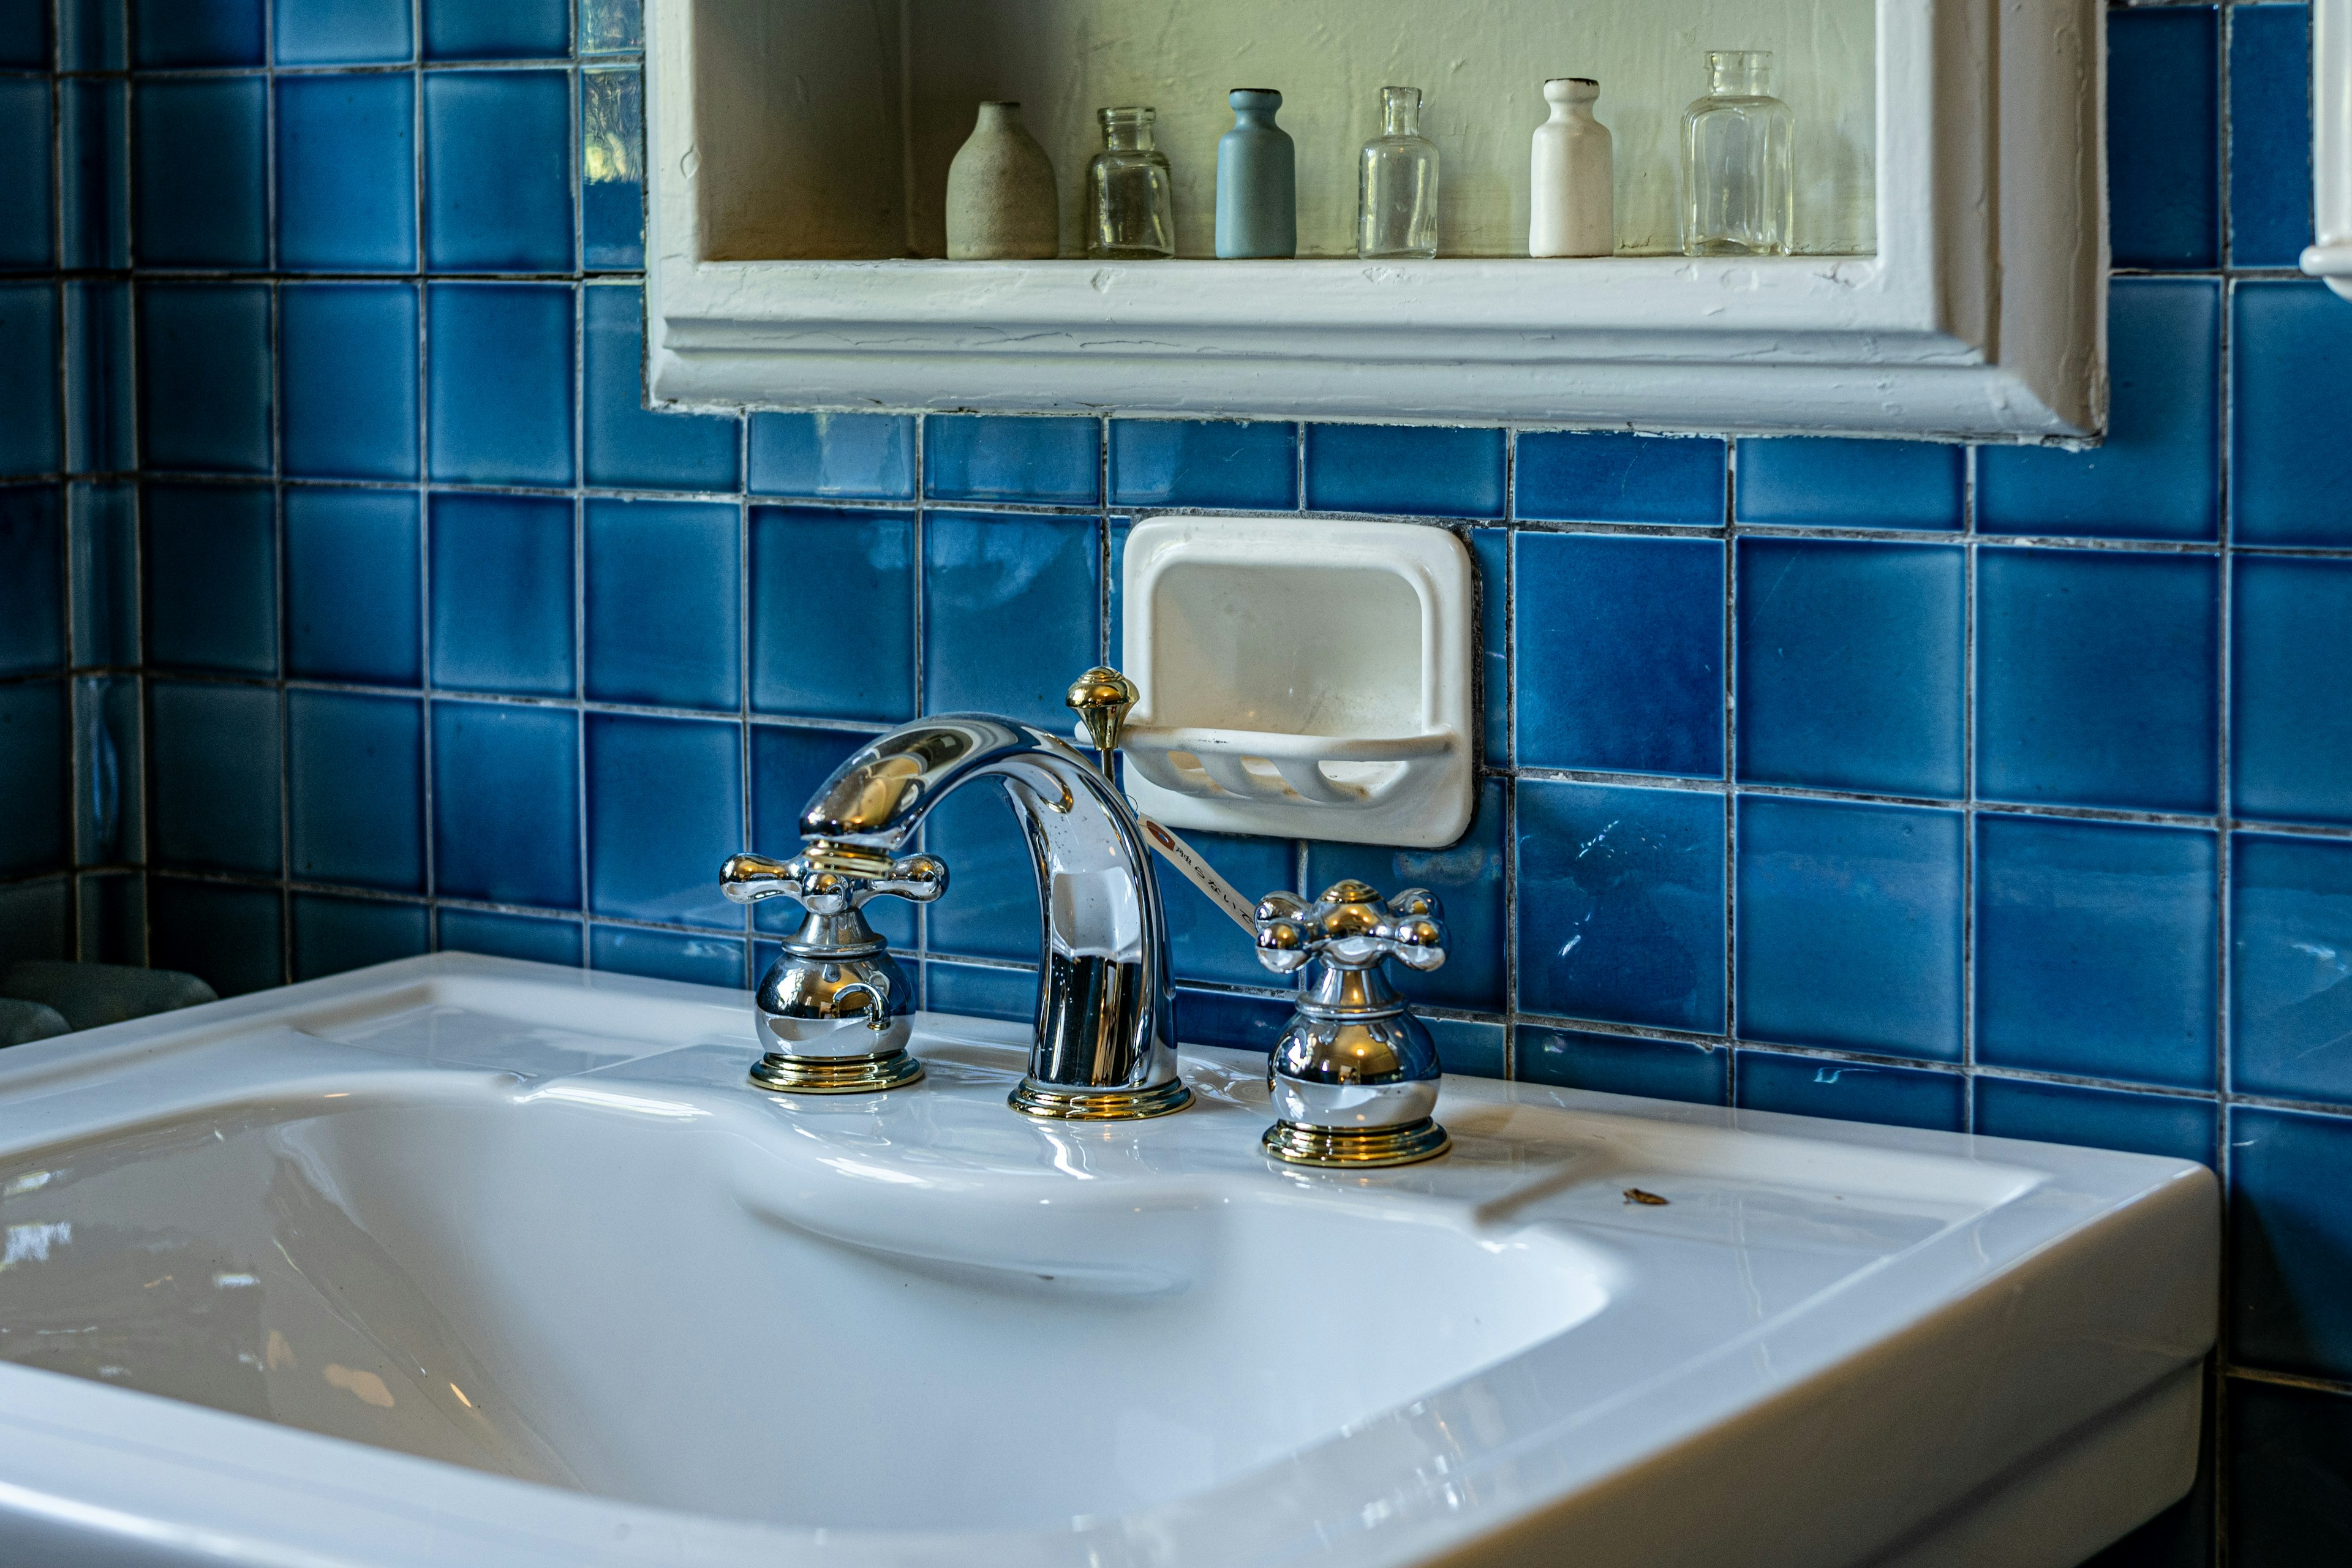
{"points": [[1105, 1043]]}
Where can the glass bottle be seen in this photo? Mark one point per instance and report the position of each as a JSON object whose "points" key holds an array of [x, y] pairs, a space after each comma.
{"points": [[1396, 210], [1739, 182], [1131, 193]]}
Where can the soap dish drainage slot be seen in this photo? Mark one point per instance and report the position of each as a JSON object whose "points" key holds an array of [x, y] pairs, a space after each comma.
{"points": [[1346, 771]]}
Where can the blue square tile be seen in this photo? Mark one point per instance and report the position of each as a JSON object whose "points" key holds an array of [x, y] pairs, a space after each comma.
{"points": [[201, 151], [1603, 477], [36, 919], [2095, 678], [1224, 1018], [102, 528], [353, 586], [1470, 1048], [1824, 482], [32, 580], [1011, 613], [2290, 467], [100, 419], [2291, 967], [788, 765], [24, 34], [2158, 475], [35, 829], [1467, 877], [832, 456], [498, 170], [2176, 1126], [998, 457], [501, 593], [2290, 719], [1623, 1063], [1490, 548], [110, 811], [497, 29], [1850, 923], [347, 364], [1850, 1091], [94, 149], [1853, 665], [2270, 135], [26, 239], [2164, 172], [662, 595], [610, 26], [525, 937], [2095, 948], [1424, 469], [205, 377], [866, 562], [2290, 1449], [2291, 1242], [664, 811], [667, 955], [31, 441], [212, 578], [343, 32], [230, 938], [500, 383], [627, 446], [1619, 653], [505, 803], [990, 910], [1248, 466], [213, 767], [334, 935], [613, 169], [347, 172], [977, 992], [167, 33], [113, 919], [355, 805], [1203, 943], [1621, 904]]}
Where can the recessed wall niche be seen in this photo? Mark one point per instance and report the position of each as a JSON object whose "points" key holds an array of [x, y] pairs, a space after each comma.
{"points": [[861, 105]]}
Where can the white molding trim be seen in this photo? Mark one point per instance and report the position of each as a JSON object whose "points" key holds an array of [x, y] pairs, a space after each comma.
{"points": [[1982, 317], [2331, 145]]}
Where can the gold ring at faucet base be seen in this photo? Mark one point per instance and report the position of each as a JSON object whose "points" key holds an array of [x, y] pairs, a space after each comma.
{"points": [[781, 1074], [1356, 1148], [1100, 1104]]}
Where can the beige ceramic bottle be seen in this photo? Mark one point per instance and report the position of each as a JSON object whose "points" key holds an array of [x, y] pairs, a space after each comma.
{"points": [[1001, 205]]}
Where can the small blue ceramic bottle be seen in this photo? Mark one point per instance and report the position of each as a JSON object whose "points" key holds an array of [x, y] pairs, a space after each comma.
{"points": [[1257, 180]]}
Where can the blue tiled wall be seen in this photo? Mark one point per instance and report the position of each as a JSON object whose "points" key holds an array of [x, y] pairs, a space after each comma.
{"points": [[2002, 789]]}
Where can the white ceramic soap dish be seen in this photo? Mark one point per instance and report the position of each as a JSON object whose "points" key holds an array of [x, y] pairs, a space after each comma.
{"points": [[1300, 678]]}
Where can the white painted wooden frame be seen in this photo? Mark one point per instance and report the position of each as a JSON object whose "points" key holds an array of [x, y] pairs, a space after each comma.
{"points": [[1982, 317], [2331, 145]]}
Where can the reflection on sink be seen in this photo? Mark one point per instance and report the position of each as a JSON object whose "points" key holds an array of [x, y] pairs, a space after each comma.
{"points": [[533, 1222]]}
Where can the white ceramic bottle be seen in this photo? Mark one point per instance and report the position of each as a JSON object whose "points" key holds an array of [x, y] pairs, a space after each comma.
{"points": [[1571, 206], [1001, 204]]}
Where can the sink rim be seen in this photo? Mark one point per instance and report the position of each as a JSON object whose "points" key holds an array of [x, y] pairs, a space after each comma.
{"points": [[162, 1458]]}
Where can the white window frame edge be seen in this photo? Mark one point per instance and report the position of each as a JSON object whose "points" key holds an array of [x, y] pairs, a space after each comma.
{"points": [[2331, 146], [1982, 317]]}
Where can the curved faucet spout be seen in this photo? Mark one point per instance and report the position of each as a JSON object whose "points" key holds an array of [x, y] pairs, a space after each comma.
{"points": [[1106, 1042]]}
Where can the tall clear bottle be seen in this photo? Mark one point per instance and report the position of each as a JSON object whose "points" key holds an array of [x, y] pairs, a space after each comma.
{"points": [[1131, 193], [1396, 207], [1739, 175]]}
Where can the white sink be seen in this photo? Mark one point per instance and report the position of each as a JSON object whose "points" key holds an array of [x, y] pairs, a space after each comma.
{"points": [[460, 1260]]}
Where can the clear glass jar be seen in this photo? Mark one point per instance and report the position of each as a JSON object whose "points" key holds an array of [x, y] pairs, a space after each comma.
{"points": [[1130, 194], [1739, 178], [1396, 207]]}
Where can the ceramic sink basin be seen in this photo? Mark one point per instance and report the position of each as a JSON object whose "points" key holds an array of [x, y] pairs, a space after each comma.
{"points": [[460, 1260]]}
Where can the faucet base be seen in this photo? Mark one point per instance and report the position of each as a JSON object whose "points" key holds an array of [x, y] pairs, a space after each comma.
{"points": [[1356, 1148], [1034, 1098], [781, 1074]]}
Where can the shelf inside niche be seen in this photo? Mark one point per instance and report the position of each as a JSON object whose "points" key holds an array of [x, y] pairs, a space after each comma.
{"points": [[850, 157]]}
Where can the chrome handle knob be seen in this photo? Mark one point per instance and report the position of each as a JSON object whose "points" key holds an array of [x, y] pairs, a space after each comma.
{"points": [[1351, 927], [826, 880]]}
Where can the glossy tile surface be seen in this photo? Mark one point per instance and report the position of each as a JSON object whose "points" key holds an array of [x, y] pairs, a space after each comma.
{"points": [[1244, 465], [32, 580], [665, 810], [1851, 1091], [814, 573], [343, 32], [355, 789], [2291, 967], [1853, 665], [496, 29], [34, 803], [347, 366], [213, 769], [511, 936], [353, 586], [31, 440], [1009, 613], [835, 456], [28, 237], [230, 937], [623, 447], [333, 934], [992, 457], [1619, 647], [346, 169], [205, 377], [506, 811], [1849, 926], [1599, 477], [2270, 135], [498, 170], [2289, 473], [666, 955], [2290, 1236], [500, 385], [1416, 470], [1624, 1064], [1823, 482], [662, 596], [501, 597], [2290, 712], [2164, 172], [2096, 949], [200, 152], [210, 564], [2179, 1127]]}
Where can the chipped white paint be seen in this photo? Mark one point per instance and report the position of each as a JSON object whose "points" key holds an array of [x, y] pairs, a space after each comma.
{"points": [[1980, 316]]}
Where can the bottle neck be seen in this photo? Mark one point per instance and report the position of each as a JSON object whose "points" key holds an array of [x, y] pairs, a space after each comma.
{"points": [[1127, 131], [1740, 73], [1401, 110]]}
